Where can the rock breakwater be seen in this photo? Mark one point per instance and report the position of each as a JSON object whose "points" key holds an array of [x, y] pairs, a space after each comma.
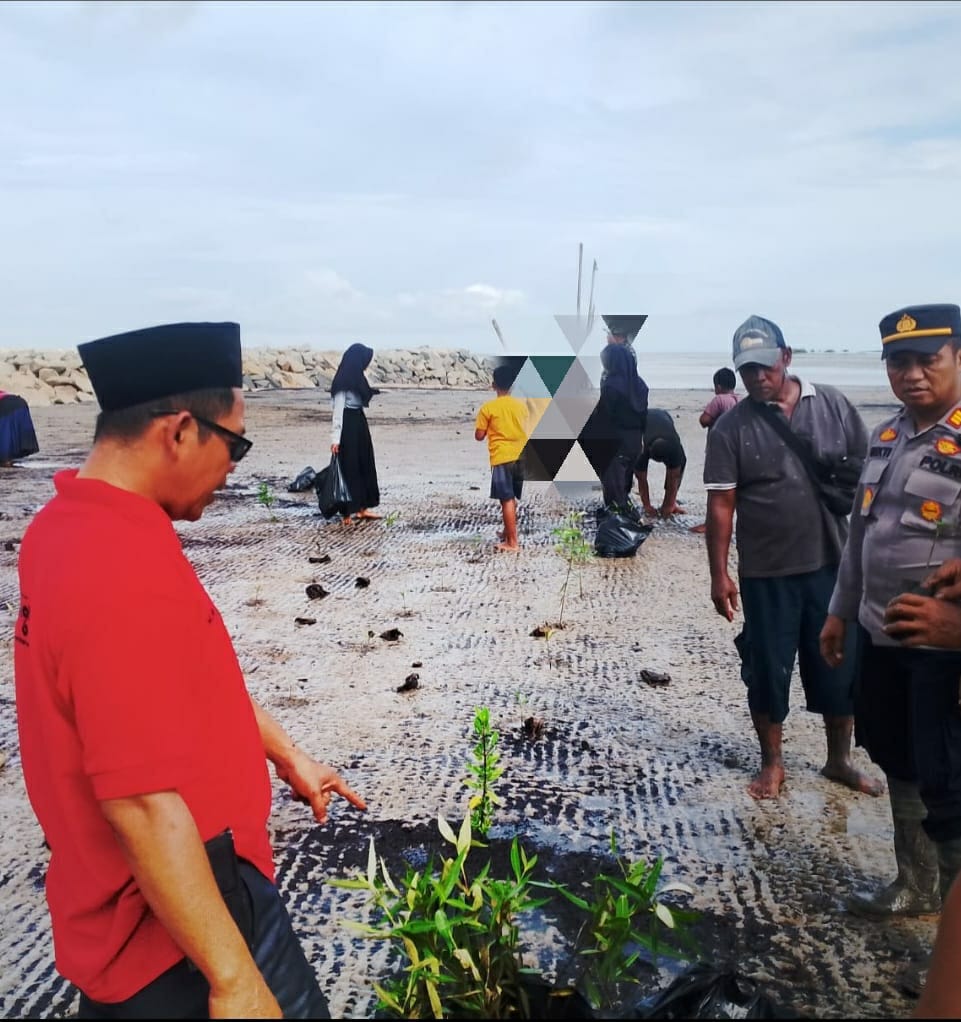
{"points": [[57, 377]]}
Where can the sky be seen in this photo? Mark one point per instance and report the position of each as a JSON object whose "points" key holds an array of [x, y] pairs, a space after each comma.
{"points": [[402, 174]]}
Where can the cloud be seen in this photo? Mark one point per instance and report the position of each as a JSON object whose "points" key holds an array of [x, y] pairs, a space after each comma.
{"points": [[329, 285], [316, 169], [466, 304]]}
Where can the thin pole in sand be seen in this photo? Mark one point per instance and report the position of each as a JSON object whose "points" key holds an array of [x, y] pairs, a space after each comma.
{"points": [[580, 261], [590, 303]]}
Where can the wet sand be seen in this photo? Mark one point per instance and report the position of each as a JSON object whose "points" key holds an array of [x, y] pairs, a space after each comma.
{"points": [[666, 767]]}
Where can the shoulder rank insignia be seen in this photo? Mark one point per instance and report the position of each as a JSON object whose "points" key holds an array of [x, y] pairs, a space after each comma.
{"points": [[889, 434], [954, 418], [906, 324], [946, 446], [867, 500], [931, 511]]}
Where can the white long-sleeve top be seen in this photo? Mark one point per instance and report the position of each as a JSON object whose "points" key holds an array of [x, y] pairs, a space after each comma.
{"points": [[341, 400]]}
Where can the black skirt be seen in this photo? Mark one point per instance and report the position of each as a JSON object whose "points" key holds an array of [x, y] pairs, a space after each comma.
{"points": [[357, 461]]}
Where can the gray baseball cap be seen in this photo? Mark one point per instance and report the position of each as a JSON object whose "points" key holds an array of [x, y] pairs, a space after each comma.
{"points": [[757, 341]]}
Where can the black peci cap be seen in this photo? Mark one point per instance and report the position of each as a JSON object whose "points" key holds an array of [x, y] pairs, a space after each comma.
{"points": [[144, 365]]}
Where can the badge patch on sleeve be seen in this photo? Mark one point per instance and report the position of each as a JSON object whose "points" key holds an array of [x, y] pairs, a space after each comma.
{"points": [[931, 511], [867, 500], [955, 417], [888, 435], [947, 446]]}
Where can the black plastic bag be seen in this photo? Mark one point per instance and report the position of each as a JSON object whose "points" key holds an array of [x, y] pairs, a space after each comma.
{"points": [[704, 991], [333, 497], [304, 481], [619, 535]]}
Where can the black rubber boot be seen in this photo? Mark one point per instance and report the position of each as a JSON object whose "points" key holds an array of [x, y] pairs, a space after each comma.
{"points": [[915, 890], [912, 979]]}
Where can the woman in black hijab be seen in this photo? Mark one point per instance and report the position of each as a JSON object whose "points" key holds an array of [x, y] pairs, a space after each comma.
{"points": [[622, 416], [349, 435]]}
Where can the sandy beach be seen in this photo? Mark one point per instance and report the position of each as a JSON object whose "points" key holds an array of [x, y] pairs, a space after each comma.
{"points": [[667, 767]]}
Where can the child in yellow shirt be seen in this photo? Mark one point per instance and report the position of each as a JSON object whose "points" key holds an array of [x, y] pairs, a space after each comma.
{"points": [[503, 423]]}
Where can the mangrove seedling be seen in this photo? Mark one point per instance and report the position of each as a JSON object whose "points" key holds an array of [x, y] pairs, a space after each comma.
{"points": [[626, 918], [545, 632], [483, 772], [266, 498], [455, 931], [574, 547], [931, 512]]}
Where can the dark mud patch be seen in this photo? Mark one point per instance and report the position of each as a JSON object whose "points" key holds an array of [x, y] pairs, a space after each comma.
{"points": [[289, 702]]}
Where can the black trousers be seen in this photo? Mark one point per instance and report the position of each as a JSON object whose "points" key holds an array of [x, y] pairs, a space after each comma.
{"points": [[617, 479], [908, 719], [182, 991]]}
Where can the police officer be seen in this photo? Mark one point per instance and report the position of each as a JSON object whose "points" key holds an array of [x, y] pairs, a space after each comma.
{"points": [[905, 523]]}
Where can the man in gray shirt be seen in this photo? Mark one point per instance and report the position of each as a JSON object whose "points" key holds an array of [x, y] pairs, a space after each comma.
{"points": [[788, 546]]}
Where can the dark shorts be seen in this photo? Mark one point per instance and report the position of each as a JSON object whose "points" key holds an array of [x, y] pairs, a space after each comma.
{"points": [[783, 618], [908, 719], [507, 481], [182, 991]]}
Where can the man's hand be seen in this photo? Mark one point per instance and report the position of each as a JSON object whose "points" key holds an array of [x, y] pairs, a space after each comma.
{"points": [[832, 640], [159, 839], [724, 596], [313, 784], [945, 582], [923, 621]]}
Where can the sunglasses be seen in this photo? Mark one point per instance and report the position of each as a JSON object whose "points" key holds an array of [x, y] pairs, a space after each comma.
{"points": [[237, 445]]}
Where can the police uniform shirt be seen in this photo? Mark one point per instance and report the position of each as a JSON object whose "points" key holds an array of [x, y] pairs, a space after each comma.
{"points": [[905, 518]]}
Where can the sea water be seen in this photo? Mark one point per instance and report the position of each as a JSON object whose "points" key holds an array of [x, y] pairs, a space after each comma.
{"points": [[694, 370], [689, 370]]}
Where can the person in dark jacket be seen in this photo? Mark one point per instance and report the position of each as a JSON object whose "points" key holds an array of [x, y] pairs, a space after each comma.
{"points": [[350, 435], [622, 415]]}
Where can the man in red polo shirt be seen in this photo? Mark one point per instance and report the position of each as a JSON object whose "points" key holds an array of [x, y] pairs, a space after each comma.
{"points": [[142, 751]]}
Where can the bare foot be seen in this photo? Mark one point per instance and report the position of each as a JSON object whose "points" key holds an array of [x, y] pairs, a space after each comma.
{"points": [[699, 529], [514, 547], [346, 520], [369, 515], [844, 773], [768, 783]]}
